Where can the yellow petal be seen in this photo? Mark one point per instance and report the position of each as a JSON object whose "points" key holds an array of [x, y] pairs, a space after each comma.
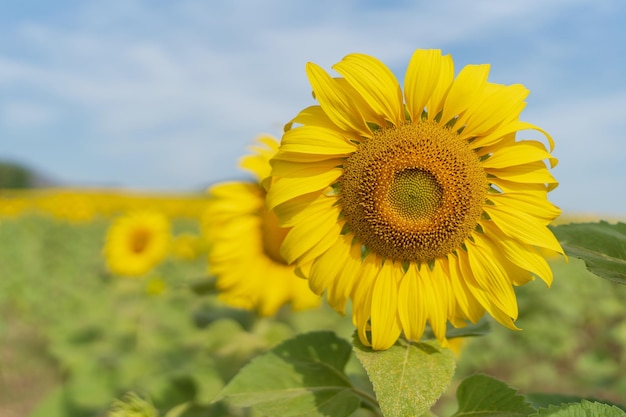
{"points": [[436, 302], [312, 115], [480, 293], [421, 79], [534, 204], [303, 208], [384, 320], [348, 275], [304, 236], [412, 306], [519, 253], [285, 189], [362, 296], [520, 153], [504, 104], [338, 106], [534, 173], [316, 140], [467, 87], [504, 130], [444, 82], [524, 227], [258, 161], [324, 269], [466, 302], [490, 275], [375, 83], [324, 242]]}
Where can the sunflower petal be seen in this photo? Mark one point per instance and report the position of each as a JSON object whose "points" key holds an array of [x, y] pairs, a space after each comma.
{"points": [[316, 140], [338, 105], [534, 204], [533, 173], [519, 253], [524, 227], [375, 83], [520, 153], [421, 80], [444, 82], [467, 87], [384, 320], [505, 103], [362, 296], [287, 188], [412, 306], [305, 236], [467, 303]]}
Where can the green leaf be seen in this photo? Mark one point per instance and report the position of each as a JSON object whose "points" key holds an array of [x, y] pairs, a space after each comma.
{"points": [[482, 395], [544, 400], [301, 377], [408, 378], [602, 246], [582, 409]]}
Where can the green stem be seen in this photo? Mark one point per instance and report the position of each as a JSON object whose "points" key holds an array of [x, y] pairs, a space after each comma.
{"points": [[368, 402]]}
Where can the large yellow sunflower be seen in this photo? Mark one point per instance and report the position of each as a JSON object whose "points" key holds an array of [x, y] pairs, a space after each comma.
{"points": [[244, 240], [136, 242], [418, 206]]}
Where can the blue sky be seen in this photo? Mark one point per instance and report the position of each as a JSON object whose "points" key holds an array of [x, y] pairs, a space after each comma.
{"points": [[167, 95]]}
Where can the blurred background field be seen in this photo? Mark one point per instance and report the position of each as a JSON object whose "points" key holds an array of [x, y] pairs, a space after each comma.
{"points": [[73, 337]]}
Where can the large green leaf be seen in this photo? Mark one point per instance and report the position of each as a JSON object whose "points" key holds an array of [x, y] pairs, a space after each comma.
{"points": [[602, 246], [301, 377], [582, 409], [544, 400], [484, 396], [408, 378]]}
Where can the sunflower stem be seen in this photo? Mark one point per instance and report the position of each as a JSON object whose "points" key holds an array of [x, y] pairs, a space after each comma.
{"points": [[368, 402]]}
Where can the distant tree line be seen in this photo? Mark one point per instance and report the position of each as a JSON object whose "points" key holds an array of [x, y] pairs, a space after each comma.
{"points": [[13, 175]]}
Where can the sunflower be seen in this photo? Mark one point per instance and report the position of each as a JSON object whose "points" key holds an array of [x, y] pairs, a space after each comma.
{"points": [[419, 206], [136, 242], [244, 240]]}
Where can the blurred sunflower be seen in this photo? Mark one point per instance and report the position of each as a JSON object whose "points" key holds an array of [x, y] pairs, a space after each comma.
{"points": [[186, 246], [421, 207], [244, 240], [136, 242]]}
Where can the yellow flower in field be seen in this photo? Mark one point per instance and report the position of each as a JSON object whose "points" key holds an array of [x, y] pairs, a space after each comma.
{"points": [[419, 206], [244, 240], [186, 246], [136, 242]]}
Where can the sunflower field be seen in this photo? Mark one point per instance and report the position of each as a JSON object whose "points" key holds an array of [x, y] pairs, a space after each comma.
{"points": [[75, 336], [394, 254]]}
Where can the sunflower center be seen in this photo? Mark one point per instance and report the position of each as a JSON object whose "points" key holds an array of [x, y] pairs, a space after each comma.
{"points": [[413, 192], [273, 236], [139, 240]]}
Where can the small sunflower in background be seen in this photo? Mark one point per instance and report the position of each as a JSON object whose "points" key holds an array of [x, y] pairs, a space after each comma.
{"points": [[420, 206], [186, 246], [244, 242], [136, 242]]}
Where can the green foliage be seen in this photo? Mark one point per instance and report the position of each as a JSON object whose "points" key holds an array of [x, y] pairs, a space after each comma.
{"points": [[601, 245], [481, 395], [185, 350], [545, 400], [303, 376], [132, 405], [408, 378], [582, 409], [14, 176]]}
